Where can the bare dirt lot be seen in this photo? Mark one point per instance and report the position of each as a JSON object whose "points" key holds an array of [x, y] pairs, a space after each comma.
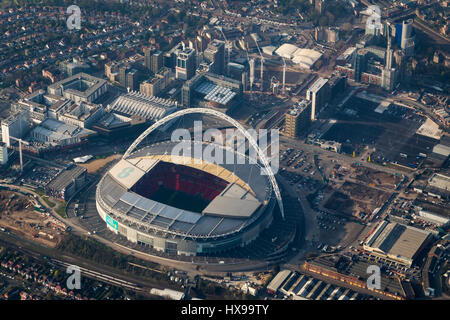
{"points": [[377, 178], [95, 165], [354, 199], [18, 215]]}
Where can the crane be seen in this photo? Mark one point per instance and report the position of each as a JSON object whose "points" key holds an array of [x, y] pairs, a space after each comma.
{"points": [[284, 75], [20, 149], [262, 61], [251, 63]]}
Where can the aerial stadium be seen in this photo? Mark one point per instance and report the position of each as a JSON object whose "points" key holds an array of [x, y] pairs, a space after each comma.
{"points": [[178, 204]]}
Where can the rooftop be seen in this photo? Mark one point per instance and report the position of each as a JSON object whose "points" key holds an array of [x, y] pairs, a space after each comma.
{"points": [[81, 84], [65, 178], [318, 84], [397, 240]]}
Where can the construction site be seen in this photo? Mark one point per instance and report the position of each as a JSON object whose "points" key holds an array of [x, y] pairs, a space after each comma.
{"points": [[358, 191], [23, 216]]}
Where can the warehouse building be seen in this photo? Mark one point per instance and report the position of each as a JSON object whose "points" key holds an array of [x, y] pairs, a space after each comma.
{"points": [[67, 183], [396, 242], [304, 58], [278, 281]]}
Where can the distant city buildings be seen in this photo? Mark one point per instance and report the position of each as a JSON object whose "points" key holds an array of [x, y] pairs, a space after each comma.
{"points": [[322, 34], [153, 59], [77, 65], [157, 84]]}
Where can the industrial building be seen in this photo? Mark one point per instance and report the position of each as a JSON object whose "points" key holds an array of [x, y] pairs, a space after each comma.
{"points": [[298, 118], [67, 183], [304, 58], [79, 88], [278, 281], [396, 242], [440, 181]]}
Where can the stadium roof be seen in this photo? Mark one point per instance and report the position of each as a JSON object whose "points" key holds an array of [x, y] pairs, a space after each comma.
{"points": [[234, 209]]}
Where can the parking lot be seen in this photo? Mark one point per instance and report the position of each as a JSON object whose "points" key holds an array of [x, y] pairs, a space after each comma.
{"points": [[40, 175], [299, 171]]}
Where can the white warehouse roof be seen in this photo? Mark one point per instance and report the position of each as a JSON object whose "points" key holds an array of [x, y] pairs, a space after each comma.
{"points": [[306, 58], [149, 107]]}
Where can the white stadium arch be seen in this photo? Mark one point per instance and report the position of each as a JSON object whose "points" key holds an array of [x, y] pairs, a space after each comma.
{"points": [[222, 116]]}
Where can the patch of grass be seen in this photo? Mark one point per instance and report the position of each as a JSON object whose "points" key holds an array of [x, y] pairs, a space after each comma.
{"points": [[40, 192], [48, 202], [62, 210]]}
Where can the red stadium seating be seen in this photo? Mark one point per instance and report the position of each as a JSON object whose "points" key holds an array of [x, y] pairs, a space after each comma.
{"points": [[180, 178]]}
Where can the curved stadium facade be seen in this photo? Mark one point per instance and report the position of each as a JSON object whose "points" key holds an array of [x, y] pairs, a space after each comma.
{"points": [[180, 206]]}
